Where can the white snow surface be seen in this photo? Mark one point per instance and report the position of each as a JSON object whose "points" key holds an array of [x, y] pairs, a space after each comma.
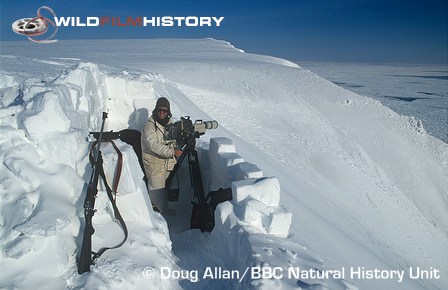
{"points": [[322, 178]]}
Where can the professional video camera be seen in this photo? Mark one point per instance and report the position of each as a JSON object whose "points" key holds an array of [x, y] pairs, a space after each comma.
{"points": [[185, 131]]}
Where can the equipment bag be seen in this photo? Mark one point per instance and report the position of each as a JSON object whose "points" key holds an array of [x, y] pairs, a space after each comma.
{"points": [[218, 196], [202, 217], [172, 191]]}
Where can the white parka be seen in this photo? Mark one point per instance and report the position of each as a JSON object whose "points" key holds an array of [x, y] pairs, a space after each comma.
{"points": [[158, 154]]}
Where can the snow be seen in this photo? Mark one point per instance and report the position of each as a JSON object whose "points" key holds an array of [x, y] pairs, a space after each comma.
{"points": [[418, 90], [322, 178]]}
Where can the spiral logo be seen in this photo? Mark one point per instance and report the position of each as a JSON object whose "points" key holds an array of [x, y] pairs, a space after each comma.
{"points": [[36, 26]]}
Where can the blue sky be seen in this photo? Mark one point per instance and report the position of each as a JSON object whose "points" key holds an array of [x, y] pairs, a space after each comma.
{"points": [[412, 31]]}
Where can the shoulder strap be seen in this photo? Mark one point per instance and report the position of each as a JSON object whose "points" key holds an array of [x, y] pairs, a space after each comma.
{"points": [[155, 125], [117, 216], [119, 164], [111, 196]]}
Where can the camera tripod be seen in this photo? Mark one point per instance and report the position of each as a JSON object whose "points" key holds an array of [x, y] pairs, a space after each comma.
{"points": [[202, 216]]}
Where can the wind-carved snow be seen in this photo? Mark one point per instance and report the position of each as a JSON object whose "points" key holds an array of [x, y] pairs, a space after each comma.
{"points": [[45, 158], [322, 178]]}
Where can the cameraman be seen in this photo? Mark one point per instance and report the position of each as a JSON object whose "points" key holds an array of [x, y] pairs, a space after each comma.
{"points": [[159, 156]]}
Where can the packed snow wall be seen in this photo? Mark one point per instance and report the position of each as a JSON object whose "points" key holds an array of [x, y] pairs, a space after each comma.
{"points": [[251, 231], [44, 149]]}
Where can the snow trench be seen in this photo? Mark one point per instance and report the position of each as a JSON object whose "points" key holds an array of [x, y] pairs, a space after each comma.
{"points": [[44, 151]]}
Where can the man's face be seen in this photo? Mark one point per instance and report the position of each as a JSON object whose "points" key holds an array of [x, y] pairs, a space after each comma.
{"points": [[162, 112]]}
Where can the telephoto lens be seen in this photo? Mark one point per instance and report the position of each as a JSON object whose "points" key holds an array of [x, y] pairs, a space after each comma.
{"points": [[211, 124], [201, 126]]}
